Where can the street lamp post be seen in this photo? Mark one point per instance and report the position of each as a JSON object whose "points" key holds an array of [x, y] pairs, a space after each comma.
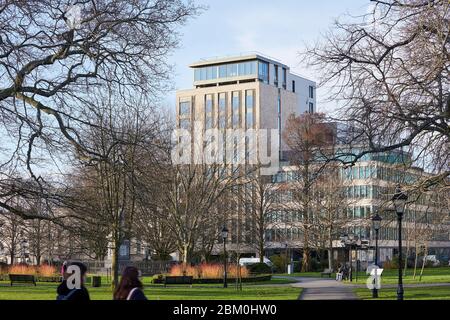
{"points": [[376, 222], [351, 238], [399, 199], [286, 257], [224, 237]]}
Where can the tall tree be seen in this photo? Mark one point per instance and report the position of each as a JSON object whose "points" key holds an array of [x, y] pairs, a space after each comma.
{"points": [[51, 54], [389, 71], [310, 141]]}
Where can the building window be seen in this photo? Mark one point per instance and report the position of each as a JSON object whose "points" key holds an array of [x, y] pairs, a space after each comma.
{"points": [[249, 103], [311, 92], [209, 111], [222, 110], [247, 68], [235, 105], [293, 86], [232, 70], [276, 76], [223, 71], [208, 103], [284, 78], [263, 71], [185, 108], [185, 124], [311, 107]]}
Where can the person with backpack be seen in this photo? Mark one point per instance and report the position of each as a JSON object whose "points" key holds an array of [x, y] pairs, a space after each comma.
{"points": [[75, 294], [130, 286]]}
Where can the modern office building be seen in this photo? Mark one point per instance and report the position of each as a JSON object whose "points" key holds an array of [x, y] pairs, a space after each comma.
{"points": [[257, 92], [368, 187], [244, 92]]}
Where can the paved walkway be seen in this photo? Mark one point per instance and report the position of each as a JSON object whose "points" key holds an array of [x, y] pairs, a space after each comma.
{"points": [[330, 289], [323, 289]]}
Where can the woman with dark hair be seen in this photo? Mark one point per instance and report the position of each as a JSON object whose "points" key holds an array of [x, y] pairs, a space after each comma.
{"points": [[130, 287]]}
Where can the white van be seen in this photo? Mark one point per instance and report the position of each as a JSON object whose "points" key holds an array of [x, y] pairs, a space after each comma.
{"points": [[250, 261]]}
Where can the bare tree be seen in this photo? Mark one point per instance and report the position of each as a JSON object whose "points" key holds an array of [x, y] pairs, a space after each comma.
{"points": [[389, 71], [52, 54], [308, 139], [259, 194], [330, 205], [11, 235], [191, 200]]}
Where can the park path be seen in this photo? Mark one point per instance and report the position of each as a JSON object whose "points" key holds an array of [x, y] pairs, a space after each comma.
{"points": [[330, 289], [323, 289]]}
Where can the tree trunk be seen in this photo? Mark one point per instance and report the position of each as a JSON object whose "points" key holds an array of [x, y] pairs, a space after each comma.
{"points": [[261, 252], [305, 260], [425, 253], [415, 263], [330, 249], [115, 265]]}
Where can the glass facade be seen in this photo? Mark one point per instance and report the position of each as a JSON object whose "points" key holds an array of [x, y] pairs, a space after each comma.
{"points": [[209, 111], [263, 71], [235, 106], [185, 124], [185, 107], [311, 92], [249, 104], [276, 75], [225, 71], [222, 110]]}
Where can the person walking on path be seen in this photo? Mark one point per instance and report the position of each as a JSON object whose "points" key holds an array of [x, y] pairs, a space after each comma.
{"points": [[130, 286], [75, 294]]}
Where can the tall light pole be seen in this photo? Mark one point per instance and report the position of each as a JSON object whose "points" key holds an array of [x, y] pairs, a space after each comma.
{"points": [[399, 199], [351, 238], [224, 238], [376, 223]]}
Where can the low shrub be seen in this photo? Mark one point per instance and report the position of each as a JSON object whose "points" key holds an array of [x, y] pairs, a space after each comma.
{"points": [[315, 265], [279, 262], [391, 264], [234, 271], [3, 268], [207, 271], [22, 269], [259, 268], [46, 270]]}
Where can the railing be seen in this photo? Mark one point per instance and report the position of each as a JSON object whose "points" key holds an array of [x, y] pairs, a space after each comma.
{"points": [[146, 267]]}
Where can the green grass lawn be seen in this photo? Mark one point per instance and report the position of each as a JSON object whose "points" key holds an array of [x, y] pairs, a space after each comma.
{"points": [[423, 293], [430, 275], [268, 290], [303, 274]]}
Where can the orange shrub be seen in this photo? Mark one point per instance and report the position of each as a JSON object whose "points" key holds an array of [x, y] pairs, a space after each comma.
{"points": [[233, 271], [208, 271], [46, 270], [22, 269], [180, 270]]}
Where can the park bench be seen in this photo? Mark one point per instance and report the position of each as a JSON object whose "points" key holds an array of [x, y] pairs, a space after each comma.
{"points": [[22, 278], [178, 280], [327, 272]]}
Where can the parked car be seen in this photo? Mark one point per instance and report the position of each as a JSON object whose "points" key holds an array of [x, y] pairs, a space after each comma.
{"points": [[250, 261]]}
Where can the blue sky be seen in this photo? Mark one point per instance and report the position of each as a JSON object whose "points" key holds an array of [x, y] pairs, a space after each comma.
{"points": [[276, 28]]}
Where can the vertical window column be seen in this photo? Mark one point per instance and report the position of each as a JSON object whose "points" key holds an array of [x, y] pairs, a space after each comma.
{"points": [[209, 111]]}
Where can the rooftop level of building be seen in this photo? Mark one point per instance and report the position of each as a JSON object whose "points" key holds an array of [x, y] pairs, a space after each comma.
{"points": [[248, 56]]}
